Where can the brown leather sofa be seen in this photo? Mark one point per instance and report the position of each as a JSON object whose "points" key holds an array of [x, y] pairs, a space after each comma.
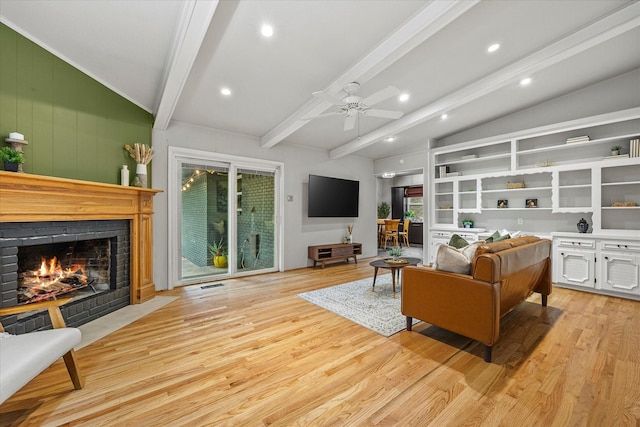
{"points": [[503, 274]]}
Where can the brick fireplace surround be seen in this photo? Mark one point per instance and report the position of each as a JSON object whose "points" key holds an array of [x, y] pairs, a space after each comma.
{"points": [[49, 201]]}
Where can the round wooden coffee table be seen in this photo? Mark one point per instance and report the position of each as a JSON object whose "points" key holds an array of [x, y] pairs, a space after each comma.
{"points": [[395, 268]]}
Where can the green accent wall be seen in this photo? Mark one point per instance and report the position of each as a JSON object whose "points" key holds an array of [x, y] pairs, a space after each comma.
{"points": [[75, 126]]}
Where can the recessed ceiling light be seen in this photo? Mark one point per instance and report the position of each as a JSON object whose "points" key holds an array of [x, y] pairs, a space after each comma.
{"points": [[445, 116], [388, 174], [225, 91], [493, 47], [267, 30], [404, 97], [526, 81], [390, 138]]}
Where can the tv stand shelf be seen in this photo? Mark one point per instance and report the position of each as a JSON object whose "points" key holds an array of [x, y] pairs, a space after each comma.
{"points": [[332, 252]]}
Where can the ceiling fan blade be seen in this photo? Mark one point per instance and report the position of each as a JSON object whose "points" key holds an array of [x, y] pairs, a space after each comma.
{"points": [[319, 116], [379, 96], [322, 95], [350, 122], [387, 114]]}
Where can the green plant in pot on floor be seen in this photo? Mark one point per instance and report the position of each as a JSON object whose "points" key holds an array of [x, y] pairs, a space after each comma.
{"points": [[11, 158], [218, 254]]}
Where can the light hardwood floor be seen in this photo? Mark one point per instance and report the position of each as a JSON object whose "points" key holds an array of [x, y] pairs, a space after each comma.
{"points": [[252, 353]]}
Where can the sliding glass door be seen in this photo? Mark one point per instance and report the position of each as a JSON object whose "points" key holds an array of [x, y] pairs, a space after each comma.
{"points": [[204, 219], [255, 214], [223, 216]]}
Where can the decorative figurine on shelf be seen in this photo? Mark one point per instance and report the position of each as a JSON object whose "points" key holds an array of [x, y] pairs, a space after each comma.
{"points": [[583, 225], [142, 154]]}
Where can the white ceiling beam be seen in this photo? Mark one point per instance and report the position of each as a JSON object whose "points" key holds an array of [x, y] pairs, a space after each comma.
{"points": [[431, 19], [605, 29], [196, 18]]}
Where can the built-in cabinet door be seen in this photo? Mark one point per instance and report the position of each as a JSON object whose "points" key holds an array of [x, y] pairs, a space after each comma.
{"points": [[437, 238], [620, 272], [575, 267]]}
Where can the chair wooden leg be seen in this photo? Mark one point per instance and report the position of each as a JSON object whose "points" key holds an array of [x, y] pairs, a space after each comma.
{"points": [[544, 300], [409, 323], [74, 371]]}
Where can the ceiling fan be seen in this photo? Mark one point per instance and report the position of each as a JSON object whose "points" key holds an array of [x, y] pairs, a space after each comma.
{"points": [[352, 106]]}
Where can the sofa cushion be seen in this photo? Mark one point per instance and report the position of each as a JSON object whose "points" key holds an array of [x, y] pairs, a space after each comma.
{"points": [[455, 260], [458, 242]]}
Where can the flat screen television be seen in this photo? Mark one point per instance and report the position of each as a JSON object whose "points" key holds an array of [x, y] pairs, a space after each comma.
{"points": [[333, 197]]}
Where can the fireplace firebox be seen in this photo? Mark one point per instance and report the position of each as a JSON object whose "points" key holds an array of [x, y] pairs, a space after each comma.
{"points": [[88, 260]]}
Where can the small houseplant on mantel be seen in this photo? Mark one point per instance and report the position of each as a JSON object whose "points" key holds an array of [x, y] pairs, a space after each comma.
{"points": [[467, 223], [615, 150], [12, 158]]}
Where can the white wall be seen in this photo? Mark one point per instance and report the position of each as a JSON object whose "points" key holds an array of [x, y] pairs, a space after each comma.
{"points": [[618, 93], [300, 231]]}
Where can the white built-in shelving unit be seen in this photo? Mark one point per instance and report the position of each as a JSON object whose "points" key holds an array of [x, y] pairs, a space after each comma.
{"points": [[563, 182]]}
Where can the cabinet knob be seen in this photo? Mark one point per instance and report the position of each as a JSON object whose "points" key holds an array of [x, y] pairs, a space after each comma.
{"points": [[606, 257]]}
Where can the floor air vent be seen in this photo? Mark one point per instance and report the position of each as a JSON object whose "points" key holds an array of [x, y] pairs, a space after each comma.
{"points": [[214, 285]]}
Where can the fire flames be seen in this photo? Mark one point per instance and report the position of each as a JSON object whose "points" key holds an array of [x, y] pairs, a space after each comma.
{"points": [[49, 280]]}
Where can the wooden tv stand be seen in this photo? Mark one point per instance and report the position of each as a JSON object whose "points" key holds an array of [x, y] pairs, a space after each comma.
{"points": [[331, 252]]}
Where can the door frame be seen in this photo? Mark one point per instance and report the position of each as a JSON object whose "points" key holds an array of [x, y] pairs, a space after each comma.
{"points": [[178, 155]]}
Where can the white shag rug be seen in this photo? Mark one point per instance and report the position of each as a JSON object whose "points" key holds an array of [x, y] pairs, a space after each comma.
{"points": [[377, 310]]}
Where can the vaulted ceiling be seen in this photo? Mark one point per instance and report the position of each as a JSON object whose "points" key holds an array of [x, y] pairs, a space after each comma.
{"points": [[172, 58]]}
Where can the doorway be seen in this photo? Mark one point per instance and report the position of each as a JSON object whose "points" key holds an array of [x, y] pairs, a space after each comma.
{"points": [[223, 219]]}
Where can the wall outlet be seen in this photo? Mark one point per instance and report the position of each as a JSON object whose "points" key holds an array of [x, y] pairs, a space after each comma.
{"points": [[520, 221]]}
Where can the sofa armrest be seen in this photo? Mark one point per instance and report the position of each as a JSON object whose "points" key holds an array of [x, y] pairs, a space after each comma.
{"points": [[455, 302]]}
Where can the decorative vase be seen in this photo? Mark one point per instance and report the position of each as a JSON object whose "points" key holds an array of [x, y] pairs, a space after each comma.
{"points": [[124, 176], [349, 239], [141, 173], [220, 261], [583, 225], [11, 167]]}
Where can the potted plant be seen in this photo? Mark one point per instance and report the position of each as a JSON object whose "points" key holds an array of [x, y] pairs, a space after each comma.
{"points": [[11, 158], [395, 252], [383, 210], [410, 215], [467, 223], [218, 254], [615, 150]]}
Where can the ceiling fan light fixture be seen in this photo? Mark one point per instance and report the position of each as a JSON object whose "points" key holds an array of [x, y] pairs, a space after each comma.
{"points": [[388, 174]]}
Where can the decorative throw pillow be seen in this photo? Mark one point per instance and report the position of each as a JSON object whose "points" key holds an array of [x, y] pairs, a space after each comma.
{"points": [[497, 236], [455, 260], [458, 242]]}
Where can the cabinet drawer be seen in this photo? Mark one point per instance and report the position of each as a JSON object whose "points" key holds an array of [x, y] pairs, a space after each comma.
{"points": [[621, 245], [347, 250], [442, 235], [576, 243]]}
